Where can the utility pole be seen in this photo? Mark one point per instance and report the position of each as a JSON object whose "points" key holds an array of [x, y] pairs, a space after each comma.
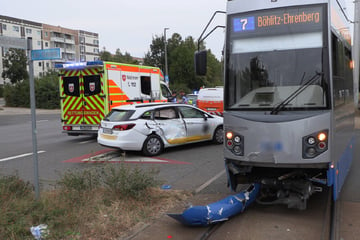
{"points": [[166, 63], [33, 118], [356, 50]]}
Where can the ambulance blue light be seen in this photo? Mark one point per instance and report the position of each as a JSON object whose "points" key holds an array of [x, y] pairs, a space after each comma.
{"points": [[93, 63], [74, 65]]}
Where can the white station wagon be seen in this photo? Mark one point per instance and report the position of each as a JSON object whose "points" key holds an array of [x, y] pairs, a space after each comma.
{"points": [[152, 127]]}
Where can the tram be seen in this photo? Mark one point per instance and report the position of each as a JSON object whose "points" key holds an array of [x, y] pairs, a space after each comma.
{"points": [[289, 104]]}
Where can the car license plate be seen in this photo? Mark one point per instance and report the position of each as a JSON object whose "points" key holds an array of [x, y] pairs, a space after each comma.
{"points": [[107, 130], [211, 109], [85, 127]]}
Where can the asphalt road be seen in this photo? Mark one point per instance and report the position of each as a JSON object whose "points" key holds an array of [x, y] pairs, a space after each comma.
{"points": [[196, 167], [188, 167]]}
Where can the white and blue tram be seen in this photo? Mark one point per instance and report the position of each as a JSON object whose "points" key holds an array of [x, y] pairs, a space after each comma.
{"points": [[288, 98]]}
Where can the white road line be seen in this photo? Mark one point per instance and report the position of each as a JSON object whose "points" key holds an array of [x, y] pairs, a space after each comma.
{"points": [[40, 121], [88, 141], [207, 183], [18, 156]]}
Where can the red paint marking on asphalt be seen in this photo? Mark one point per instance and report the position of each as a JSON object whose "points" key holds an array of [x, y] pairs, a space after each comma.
{"points": [[168, 161], [140, 159], [86, 156]]}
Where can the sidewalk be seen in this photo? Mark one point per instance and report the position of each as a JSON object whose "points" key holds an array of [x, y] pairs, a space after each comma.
{"points": [[17, 110]]}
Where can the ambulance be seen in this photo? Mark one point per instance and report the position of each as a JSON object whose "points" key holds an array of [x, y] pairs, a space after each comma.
{"points": [[211, 100], [89, 90]]}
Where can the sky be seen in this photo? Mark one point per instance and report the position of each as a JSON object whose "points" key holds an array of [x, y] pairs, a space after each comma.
{"points": [[126, 25], [129, 25]]}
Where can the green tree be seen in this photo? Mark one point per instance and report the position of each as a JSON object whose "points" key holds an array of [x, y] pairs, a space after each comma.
{"points": [[105, 55], [46, 92], [181, 63], [117, 57], [14, 64], [156, 55]]}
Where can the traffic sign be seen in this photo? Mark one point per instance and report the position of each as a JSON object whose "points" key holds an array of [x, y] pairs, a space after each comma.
{"points": [[12, 42], [46, 54]]}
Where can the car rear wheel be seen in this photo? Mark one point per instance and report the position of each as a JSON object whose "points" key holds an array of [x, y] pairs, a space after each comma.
{"points": [[153, 145], [218, 135]]}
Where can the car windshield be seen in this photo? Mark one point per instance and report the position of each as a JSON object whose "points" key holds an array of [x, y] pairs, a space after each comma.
{"points": [[119, 115], [269, 61]]}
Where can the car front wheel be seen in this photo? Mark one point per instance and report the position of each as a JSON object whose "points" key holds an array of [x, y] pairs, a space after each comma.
{"points": [[153, 145], [218, 135]]}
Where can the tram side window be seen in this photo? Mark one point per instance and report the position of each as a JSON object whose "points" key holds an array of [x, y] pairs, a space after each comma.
{"points": [[342, 73]]}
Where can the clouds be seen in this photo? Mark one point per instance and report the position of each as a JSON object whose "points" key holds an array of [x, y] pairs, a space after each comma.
{"points": [[127, 25]]}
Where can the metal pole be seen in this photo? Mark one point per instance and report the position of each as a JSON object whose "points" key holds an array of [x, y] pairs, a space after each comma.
{"points": [[166, 63], [356, 50], [33, 118]]}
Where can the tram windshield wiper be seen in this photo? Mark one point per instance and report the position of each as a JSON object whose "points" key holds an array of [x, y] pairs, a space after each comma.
{"points": [[293, 95]]}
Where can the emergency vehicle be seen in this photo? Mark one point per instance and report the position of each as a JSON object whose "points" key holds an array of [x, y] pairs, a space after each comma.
{"points": [[89, 90], [211, 100]]}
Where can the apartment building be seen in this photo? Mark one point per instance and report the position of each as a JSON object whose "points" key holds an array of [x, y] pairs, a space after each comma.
{"points": [[75, 45]]}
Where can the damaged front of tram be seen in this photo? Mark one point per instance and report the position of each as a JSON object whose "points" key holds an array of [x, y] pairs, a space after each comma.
{"points": [[287, 81]]}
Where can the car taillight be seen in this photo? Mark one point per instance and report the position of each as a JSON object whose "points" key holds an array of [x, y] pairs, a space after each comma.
{"points": [[123, 127], [67, 128]]}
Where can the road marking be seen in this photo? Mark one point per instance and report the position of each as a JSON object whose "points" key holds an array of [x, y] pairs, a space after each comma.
{"points": [[88, 141], [207, 183], [40, 121], [132, 159], [19, 156], [113, 156], [90, 155]]}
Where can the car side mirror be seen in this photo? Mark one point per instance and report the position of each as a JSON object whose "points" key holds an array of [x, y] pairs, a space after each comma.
{"points": [[200, 62], [206, 117]]}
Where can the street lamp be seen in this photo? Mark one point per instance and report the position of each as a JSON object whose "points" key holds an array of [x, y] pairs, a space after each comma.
{"points": [[166, 64]]}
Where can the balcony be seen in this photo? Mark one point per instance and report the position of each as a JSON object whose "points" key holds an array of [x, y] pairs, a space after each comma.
{"points": [[57, 39], [69, 41]]}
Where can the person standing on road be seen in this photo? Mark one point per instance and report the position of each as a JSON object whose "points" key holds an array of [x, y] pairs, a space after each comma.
{"points": [[174, 97], [183, 97]]}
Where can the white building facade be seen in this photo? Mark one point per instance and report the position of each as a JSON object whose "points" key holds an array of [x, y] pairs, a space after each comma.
{"points": [[75, 45]]}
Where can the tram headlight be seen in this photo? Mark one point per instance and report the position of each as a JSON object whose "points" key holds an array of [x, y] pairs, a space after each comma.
{"points": [[311, 151], [229, 135], [237, 139], [315, 144], [235, 143], [322, 136], [238, 150], [311, 140]]}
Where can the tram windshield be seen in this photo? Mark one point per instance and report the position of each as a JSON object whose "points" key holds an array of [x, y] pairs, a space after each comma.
{"points": [[276, 57]]}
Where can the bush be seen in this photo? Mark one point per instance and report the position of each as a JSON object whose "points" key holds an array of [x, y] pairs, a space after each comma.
{"points": [[15, 194], [93, 203], [17, 95], [120, 182], [126, 182], [1, 91], [46, 93]]}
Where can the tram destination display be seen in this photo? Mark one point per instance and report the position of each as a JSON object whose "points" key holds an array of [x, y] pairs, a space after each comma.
{"points": [[279, 21]]}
